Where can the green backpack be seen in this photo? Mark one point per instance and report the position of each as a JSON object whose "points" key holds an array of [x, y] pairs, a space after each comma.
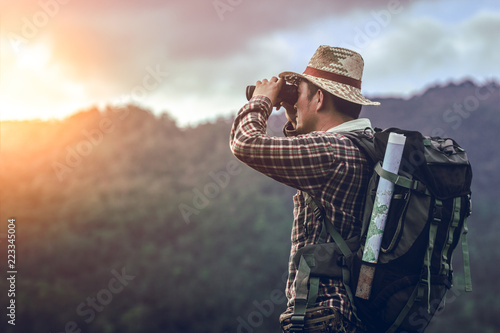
{"points": [[427, 216]]}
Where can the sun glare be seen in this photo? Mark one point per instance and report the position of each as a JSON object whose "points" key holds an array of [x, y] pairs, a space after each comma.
{"points": [[33, 85], [34, 57]]}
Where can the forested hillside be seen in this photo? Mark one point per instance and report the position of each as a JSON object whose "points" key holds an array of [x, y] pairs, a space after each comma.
{"points": [[127, 223]]}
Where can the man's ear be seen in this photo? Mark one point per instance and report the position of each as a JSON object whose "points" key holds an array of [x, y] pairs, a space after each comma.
{"points": [[320, 99]]}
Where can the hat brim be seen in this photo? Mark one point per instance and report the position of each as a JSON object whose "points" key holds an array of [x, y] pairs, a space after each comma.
{"points": [[340, 90]]}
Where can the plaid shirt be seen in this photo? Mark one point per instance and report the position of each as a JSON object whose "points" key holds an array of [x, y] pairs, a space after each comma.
{"points": [[325, 164]]}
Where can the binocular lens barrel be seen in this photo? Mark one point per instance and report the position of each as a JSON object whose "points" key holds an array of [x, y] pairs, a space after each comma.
{"points": [[288, 93]]}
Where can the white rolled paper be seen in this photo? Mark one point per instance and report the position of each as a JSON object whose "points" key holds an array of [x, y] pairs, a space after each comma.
{"points": [[385, 189]]}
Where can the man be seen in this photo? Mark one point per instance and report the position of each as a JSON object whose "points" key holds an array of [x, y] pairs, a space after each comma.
{"points": [[315, 159]]}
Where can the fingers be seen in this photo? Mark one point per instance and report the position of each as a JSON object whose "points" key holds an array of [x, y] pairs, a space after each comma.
{"points": [[270, 88], [273, 79]]}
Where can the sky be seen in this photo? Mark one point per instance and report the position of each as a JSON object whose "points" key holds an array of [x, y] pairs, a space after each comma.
{"points": [[193, 59]]}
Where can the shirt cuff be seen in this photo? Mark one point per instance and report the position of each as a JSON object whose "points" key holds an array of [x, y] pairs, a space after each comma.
{"points": [[264, 101]]}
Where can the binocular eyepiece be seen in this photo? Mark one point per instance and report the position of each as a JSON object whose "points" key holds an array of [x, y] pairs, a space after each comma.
{"points": [[289, 93]]}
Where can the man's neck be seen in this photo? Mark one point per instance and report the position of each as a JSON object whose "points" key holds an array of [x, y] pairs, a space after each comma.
{"points": [[331, 121]]}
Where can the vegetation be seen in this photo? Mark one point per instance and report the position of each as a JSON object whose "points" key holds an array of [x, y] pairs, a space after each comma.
{"points": [[127, 223]]}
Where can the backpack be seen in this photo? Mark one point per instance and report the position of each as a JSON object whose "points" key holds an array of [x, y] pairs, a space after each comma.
{"points": [[426, 218]]}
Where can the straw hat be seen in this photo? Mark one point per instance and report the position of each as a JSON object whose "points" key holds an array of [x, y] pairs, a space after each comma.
{"points": [[337, 70]]}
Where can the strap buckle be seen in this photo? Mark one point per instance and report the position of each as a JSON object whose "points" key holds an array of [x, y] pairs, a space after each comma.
{"points": [[297, 323], [438, 212], [341, 261], [421, 287], [419, 187]]}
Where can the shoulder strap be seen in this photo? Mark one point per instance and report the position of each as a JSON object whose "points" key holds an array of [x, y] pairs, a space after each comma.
{"points": [[364, 141], [319, 212]]}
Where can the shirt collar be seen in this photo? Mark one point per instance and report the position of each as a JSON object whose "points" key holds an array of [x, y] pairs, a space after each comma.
{"points": [[351, 125]]}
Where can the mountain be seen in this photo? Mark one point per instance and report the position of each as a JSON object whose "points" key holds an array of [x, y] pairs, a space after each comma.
{"points": [[125, 222]]}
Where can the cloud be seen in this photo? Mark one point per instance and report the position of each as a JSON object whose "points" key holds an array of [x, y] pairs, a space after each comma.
{"points": [[479, 43], [114, 40], [427, 50], [212, 49]]}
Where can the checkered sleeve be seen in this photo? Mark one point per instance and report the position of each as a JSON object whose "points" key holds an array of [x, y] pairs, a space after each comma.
{"points": [[302, 162]]}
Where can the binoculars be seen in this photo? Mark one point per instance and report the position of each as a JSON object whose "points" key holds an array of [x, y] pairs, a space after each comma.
{"points": [[289, 93]]}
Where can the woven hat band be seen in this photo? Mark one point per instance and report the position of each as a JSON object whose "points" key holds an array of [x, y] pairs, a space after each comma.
{"points": [[333, 77]]}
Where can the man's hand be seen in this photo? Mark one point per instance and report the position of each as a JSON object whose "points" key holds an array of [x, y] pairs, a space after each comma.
{"points": [[270, 88]]}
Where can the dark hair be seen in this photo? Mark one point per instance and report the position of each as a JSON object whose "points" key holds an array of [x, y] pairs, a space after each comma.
{"points": [[341, 105]]}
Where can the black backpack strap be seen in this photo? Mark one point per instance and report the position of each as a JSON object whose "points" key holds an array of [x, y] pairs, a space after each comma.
{"points": [[319, 213], [306, 287], [302, 295], [328, 226], [364, 141]]}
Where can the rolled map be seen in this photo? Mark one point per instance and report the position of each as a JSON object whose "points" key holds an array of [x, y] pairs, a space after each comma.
{"points": [[385, 189]]}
